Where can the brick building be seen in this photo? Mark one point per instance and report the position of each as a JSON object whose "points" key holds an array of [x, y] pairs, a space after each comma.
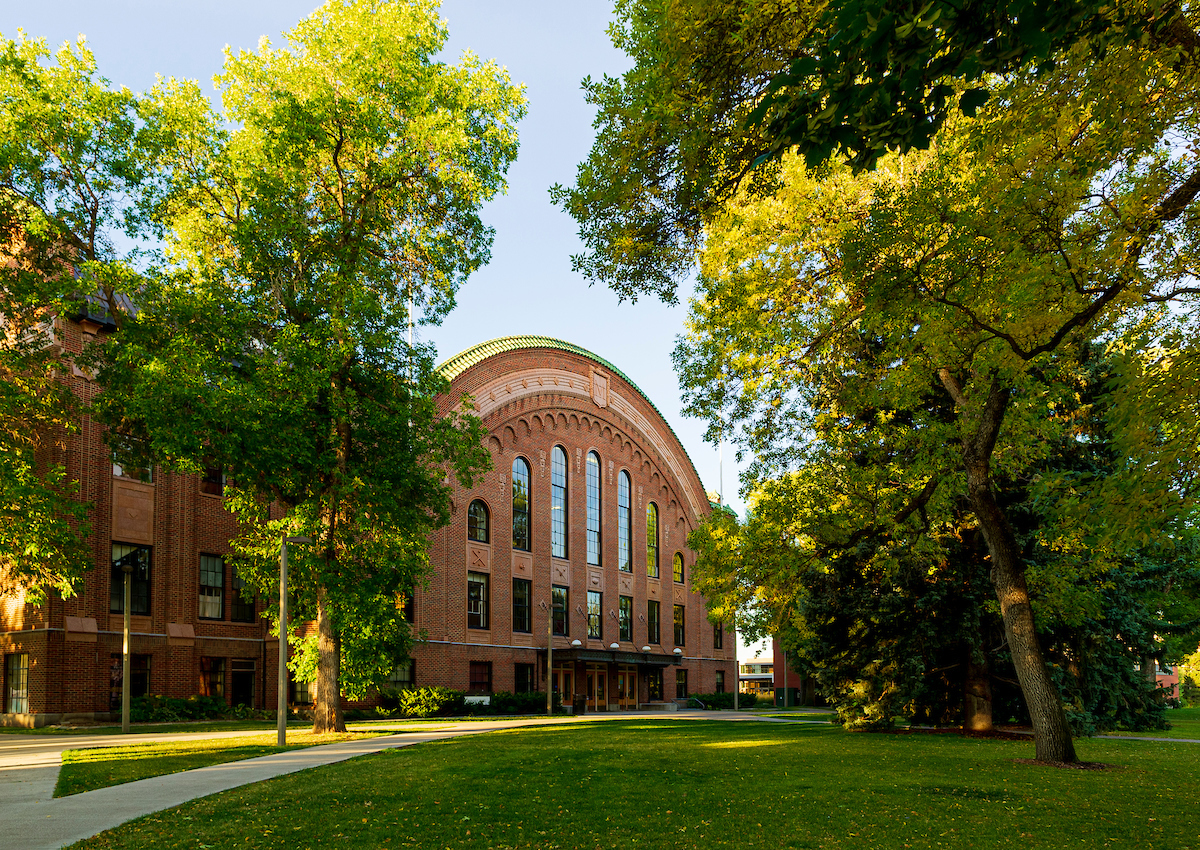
{"points": [[589, 504]]}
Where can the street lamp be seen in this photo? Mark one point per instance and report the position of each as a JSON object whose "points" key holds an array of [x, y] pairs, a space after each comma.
{"points": [[281, 720], [127, 568]]}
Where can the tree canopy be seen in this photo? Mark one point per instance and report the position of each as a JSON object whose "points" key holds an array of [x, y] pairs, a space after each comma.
{"points": [[334, 201]]}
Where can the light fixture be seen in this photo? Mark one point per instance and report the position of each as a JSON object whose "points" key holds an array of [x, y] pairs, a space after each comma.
{"points": [[614, 646], [577, 642], [678, 651], [645, 649]]}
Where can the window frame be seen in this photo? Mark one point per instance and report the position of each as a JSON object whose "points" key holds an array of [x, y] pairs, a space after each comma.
{"points": [[595, 615], [16, 683], [520, 512], [141, 583], [654, 684], [677, 568], [681, 683], [625, 618], [241, 610], [212, 669], [652, 566], [679, 621], [481, 616], [522, 613], [718, 635], [474, 532], [624, 522], [593, 524], [560, 526], [479, 678], [653, 622], [524, 678], [213, 480], [564, 612], [719, 682], [220, 588]]}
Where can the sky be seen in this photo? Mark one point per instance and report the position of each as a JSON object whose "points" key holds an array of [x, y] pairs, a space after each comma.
{"points": [[528, 288]]}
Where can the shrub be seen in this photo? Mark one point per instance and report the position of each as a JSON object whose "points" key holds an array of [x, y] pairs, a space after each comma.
{"points": [[431, 702], [531, 702], [160, 709], [724, 702]]}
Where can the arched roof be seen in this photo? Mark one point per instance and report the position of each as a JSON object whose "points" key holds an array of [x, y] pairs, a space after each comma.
{"points": [[464, 360]]}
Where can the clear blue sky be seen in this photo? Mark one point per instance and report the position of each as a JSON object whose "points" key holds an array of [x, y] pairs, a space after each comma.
{"points": [[529, 287]]}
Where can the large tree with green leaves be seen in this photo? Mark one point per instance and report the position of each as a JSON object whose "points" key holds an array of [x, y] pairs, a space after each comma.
{"points": [[78, 178], [335, 201]]}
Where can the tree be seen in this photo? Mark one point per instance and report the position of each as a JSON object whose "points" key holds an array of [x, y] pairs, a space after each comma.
{"points": [[341, 201], [77, 181]]}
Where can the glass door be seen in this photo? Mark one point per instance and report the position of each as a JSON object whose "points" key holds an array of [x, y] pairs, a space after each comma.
{"points": [[627, 687], [597, 687]]}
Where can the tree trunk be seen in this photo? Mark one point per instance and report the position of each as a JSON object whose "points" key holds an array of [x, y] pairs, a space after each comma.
{"points": [[977, 697], [327, 704], [1051, 732]]}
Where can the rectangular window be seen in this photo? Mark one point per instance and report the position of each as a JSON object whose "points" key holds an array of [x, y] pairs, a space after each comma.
{"points": [[212, 677], [212, 481], [16, 683], [523, 679], [677, 568], [212, 587], [652, 621], [625, 617], [593, 508], [718, 636], [559, 600], [477, 600], [137, 557], [481, 677], [241, 608], [522, 605], [624, 524], [654, 685], [558, 502], [404, 676], [595, 614], [299, 693], [720, 688], [139, 678], [128, 461], [679, 623], [681, 690]]}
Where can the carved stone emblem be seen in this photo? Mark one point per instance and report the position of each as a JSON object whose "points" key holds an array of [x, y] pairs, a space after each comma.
{"points": [[600, 388]]}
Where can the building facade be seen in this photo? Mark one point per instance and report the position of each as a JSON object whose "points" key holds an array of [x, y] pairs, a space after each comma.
{"points": [[583, 521]]}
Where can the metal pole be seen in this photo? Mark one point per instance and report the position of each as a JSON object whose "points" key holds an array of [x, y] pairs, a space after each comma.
{"points": [[128, 570], [281, 693], [550, 657], [737, 670], [785, 682]]}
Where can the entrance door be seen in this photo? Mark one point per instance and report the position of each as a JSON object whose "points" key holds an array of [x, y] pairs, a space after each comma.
{"points": [[241, 683], [597, 687], [627, 687], [564, 683]]}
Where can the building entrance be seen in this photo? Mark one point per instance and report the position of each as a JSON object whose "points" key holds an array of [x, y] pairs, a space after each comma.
{"points": [[627, 687], [564, 683], [597, 687]]}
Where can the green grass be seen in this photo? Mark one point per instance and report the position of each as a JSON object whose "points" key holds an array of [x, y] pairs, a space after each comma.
{"points": [[156, 728], [672, 783], [786, 714], [1185, 723], [100, 767]]}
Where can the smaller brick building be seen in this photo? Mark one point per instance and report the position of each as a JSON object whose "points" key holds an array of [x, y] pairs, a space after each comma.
{"points": [[584, 518]]}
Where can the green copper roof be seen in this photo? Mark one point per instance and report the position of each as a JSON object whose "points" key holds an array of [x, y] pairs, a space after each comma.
{"points": [[464, 360]]}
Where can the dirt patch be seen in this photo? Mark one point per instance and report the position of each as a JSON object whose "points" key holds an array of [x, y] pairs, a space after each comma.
{"points": [[1079, 765], [994, 735]]}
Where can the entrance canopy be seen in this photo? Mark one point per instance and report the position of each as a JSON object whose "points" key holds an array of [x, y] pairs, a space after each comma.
{"points": [[607, 656]]}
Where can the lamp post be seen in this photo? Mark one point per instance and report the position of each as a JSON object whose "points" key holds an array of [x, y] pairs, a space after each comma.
{"points": [[127, 568], [281, 718], [737, 671], [550, 656]]}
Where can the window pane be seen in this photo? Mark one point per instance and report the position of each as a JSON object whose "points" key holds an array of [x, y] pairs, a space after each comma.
{"points": [[718, 636], [558, 502], [212, 587], [523, 679], [625, 617], [404, 676], [679, 625], [652, 540], [212, 481], [654, 684], [477, 522], [212, 677], [139, 558], [481, 677], [241, 610], [624, 525], [520, 504], [16, 683], [677, 567], [594, 614], [681, 688], [477, 600], [720, 689], [593, 508], [522, 605], [559, 600], [652, 624]]}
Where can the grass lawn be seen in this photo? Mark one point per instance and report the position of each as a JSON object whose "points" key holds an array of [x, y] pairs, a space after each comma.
{"points": [[676, 783], [99, 767], [156, 728], [1185, 723]]}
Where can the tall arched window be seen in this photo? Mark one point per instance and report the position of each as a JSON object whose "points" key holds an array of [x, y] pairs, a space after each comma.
{"points": [[558, 502], [624, 524], [520, 504], [652, 540], [593, 508], [677, 567], [477, 522]]}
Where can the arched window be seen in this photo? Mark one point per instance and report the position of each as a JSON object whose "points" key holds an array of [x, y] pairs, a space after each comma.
{"points": [[652, 540], [477, 522], [677, 567], [624, 524], [593, 508], [520, 504], [558, 502]]}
